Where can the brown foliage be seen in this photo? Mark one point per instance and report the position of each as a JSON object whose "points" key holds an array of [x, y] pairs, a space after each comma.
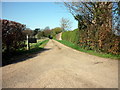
{"points": [[98, 34], [12, 36]]}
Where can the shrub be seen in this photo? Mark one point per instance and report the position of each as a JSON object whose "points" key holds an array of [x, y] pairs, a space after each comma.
{"points": [[12, 36]]}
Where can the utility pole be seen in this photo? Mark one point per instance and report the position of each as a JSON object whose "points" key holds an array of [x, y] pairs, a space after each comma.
{"points": [[28, 46]]}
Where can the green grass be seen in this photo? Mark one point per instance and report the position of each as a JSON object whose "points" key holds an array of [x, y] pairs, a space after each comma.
{"points": [[35, 47], [104, 55], [9, 57], [38, 41]]}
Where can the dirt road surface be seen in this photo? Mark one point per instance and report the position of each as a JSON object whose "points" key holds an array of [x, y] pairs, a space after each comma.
{"points": [[61, 67], [58, 36]]}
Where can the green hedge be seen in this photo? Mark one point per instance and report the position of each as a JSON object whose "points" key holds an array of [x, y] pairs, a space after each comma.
{"points": [[94, 39], [71, 36]]}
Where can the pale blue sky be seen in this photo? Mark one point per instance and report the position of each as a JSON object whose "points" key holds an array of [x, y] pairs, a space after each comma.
{"points": [[37, 14]]}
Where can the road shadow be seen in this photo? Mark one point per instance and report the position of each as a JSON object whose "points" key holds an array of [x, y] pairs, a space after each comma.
{"points": [[23, 56]]}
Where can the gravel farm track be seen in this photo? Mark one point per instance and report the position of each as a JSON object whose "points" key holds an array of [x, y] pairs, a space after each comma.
{"points": [[61, 67]]}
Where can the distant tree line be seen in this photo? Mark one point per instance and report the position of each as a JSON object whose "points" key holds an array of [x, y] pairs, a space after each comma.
{"points": [[42, 33], [49, 33]]}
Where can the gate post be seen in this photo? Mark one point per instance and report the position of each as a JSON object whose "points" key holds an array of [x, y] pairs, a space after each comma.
{"points": [[28, 46]]}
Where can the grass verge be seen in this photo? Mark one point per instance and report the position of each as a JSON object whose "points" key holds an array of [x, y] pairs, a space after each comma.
{"points": [[104, 55], [8, 58], [35, 47]]}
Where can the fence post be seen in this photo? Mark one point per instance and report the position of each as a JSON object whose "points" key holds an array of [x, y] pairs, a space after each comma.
{"points": [[28, 46]]}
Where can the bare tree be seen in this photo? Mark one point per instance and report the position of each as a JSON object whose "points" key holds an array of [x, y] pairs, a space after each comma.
{"points": [[65, 24]]}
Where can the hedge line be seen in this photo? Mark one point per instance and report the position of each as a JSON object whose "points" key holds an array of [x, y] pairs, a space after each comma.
{"points": [[106, 42], [71, 36]]}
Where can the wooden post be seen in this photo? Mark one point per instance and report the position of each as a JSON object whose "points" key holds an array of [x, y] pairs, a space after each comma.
{"points": [[28, 46]]}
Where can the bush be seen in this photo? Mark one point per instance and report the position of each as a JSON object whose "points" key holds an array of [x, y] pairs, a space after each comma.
{"points": [[12, 36]]}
